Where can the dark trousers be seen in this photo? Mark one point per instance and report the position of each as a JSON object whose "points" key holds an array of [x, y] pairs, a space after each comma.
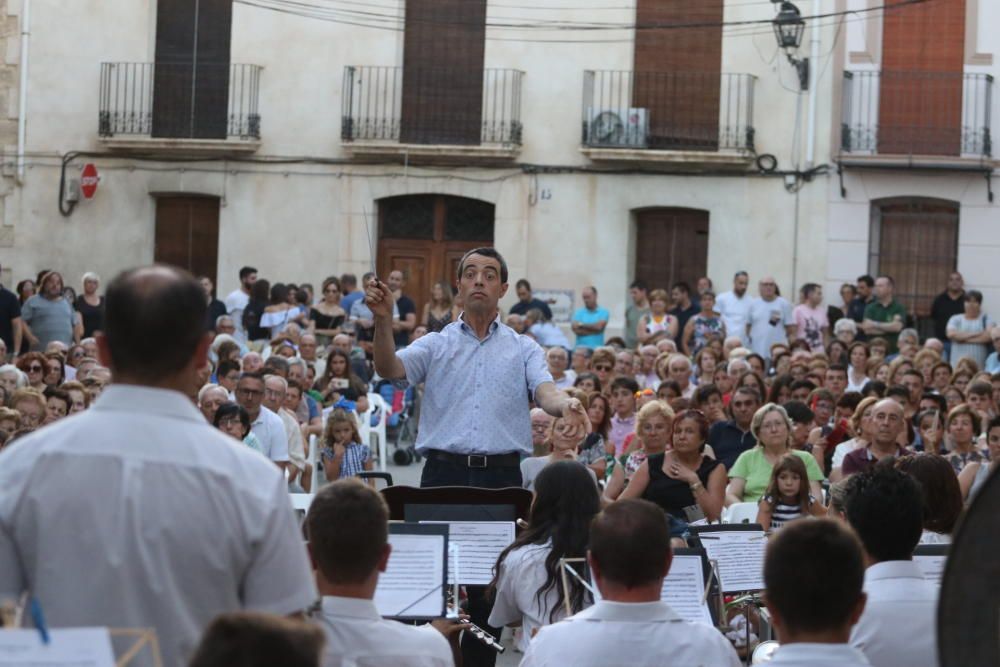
{"points": [[446, 473]]}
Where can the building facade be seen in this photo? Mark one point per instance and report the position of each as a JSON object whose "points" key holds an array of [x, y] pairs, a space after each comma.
{"points": [[590, 144]]}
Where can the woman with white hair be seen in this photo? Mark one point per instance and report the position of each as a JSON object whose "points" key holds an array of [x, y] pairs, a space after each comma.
{"points": [[12, 379], [845, 330], [90, 305]]}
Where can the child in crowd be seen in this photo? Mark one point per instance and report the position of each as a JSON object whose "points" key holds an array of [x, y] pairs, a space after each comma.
{"points": [[343, 455], [787, 497], [623, 391]]}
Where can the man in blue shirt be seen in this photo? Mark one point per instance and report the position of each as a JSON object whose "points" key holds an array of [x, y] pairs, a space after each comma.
{"points": [[590, 321]]}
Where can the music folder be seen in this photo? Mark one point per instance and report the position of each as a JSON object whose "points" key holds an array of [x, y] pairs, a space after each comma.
{"points": [[415, 583], [738, 548]]}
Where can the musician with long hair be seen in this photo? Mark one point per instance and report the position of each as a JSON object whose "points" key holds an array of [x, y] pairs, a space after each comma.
{"points": [[527, 586]]}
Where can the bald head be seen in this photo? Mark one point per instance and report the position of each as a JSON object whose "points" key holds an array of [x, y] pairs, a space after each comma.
{"points": [[154, 324], [888, 420]]}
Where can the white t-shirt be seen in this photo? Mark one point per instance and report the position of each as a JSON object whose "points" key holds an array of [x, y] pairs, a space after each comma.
{"points": [[270, 430], [809, 325], [975, 351], [236, 303], [768, 320], [137, 513], [735, 311], [522, 574]]}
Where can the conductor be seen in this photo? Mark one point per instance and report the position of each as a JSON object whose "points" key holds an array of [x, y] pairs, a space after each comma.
{"points": [[479, 377]]}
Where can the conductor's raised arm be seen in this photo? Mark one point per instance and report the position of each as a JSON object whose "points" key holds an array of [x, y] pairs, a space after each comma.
{"points": [[379, 299]]}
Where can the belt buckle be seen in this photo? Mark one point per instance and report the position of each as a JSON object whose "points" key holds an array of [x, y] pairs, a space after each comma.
{"points": [[477, 460]]}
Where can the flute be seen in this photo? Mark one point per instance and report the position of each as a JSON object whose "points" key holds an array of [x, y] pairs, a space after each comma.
{"points": [[477, 632]]}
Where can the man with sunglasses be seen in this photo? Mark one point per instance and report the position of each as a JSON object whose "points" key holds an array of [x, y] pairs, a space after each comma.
{"points": [[731, 438]]}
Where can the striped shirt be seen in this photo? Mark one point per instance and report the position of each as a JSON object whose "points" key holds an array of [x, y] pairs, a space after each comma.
{"points": [[782, 513], [356, 456]]}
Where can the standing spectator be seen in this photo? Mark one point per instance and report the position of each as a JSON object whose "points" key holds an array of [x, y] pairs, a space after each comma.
{"points": [[885, 316], [441, 310], [656, 324], [885, 508], [590, 321], [992, 364], [638, 309], [216, 308], [946, 305], [238, 300], [684, 309], [970, 332], [47, 316], [91, 306], [328, 315], [811, 323], [544, 331], [526, 301], [407, 320], [704, 327], [10, 322], [865, 295], [847, 294], [25, 290], [734, 306], [218, 539], [770, 320], [350, 291]]}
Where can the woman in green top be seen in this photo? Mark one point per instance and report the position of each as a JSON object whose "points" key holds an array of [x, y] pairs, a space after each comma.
{"points": [[752, 471]]}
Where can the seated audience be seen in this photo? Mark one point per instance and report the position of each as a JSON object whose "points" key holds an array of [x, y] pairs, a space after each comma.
{"points": [[541, 425], [963, 426], [888, 422], [528, 584], [652, 436], [348, 531], [811, 633], [233, 419], [629, 557], [899, 625], [787, 497], [562, 447], [974, 473], [941, 492], [253, 639], [210, 397]]}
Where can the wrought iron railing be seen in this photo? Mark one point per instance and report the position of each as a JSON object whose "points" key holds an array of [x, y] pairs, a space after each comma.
{"points": [[203, 100], [432, 105], [917, 113], [706, 111]]}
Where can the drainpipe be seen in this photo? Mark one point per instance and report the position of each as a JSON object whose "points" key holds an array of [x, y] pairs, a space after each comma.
{"points": [[22, 96], [813, 80]]}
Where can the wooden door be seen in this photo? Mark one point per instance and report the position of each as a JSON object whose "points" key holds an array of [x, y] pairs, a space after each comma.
{"points": [[676, 73], [425, 236], [187, 234], [191, 72], [444, 48], [671, 246]]}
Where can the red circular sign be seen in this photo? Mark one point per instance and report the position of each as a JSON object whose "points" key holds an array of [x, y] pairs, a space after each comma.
{"points": [[89, 180]]}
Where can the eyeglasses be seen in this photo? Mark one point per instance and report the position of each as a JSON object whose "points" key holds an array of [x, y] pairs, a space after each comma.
{"points": [[229, 421], [35, 368], [603, 368], [773, 426], [249, 392]]}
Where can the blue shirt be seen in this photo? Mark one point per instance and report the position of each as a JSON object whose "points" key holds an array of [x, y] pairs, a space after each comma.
{"points": [[476, 391], [992, 363], [348, 300], [584, 316]]}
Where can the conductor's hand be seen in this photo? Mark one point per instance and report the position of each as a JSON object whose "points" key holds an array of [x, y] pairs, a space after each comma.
{"points": [[378, 297], [576, 419]]}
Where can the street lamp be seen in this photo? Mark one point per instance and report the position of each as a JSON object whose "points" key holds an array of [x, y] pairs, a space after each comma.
{"points": [[788, 28]]}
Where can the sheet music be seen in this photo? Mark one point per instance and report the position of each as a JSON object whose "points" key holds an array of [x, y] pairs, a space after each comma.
{"points": [[932, 566], [477, 546], [740, 554], [411, 584], [684, 590], [76, 647]]}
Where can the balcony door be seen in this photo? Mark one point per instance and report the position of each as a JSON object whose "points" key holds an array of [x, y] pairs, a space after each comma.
{"points": [[443, 54], [677, 72], [920, 100], [671, 246], [191, 73], [914, 240], [425, 236], [187, 233]]}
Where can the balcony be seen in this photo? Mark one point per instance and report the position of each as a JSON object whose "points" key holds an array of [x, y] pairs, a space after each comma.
{"points": [[916, 119], [180, 109], [700, 120], [432, 115]]}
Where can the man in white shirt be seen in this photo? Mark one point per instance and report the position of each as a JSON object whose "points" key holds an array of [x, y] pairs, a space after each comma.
{"points": [[275, 388], [899, 625], [136, 512], [238, 299], [264, 424], [770, 320], [734, 306], [810, 633], [629, 558], [347, 527], [557, 360]]}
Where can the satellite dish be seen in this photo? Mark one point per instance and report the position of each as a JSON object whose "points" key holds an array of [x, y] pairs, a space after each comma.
{"points": [[968, 622]]}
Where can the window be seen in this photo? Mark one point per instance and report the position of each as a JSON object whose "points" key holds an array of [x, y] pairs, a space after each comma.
{"points": [[914, 240], [671, 246]]}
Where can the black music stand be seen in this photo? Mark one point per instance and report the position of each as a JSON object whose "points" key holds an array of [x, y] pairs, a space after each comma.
{"points": [[457, 503]]}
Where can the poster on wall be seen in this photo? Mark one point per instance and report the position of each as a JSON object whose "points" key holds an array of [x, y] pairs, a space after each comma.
{"points": [[560, 303]]}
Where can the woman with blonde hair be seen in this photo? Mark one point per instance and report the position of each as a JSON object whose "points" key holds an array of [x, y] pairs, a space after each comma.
{"points": [[441, 310], [653, 427], [90, 305], [861, 426], [658, 323]]}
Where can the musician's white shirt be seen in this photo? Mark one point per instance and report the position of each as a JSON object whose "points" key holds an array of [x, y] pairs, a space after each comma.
{"points": [[522, 575], [899, 624], [356, 636], [637, 634], [807, 654]]}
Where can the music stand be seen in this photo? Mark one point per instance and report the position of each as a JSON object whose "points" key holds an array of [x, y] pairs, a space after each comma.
{"points": [[711, 579], [457, 503]]}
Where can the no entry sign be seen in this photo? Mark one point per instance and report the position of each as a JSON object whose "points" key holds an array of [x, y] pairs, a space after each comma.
{"points": [[89, 180]]}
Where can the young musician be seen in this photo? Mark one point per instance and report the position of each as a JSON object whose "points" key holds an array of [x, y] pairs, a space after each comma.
{"points": [[528, 584], [348, 531], [629, 559]]}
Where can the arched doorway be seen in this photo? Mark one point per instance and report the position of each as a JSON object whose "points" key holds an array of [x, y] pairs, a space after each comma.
{"points": [[914, 240], [425, 236], [671, 246]]}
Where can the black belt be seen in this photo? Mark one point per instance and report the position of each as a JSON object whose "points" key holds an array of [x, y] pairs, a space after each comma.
{"points": [[476, 460]]}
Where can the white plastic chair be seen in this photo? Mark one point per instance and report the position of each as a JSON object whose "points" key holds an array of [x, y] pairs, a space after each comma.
{"points": [[740, 513], [376, 402]]}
